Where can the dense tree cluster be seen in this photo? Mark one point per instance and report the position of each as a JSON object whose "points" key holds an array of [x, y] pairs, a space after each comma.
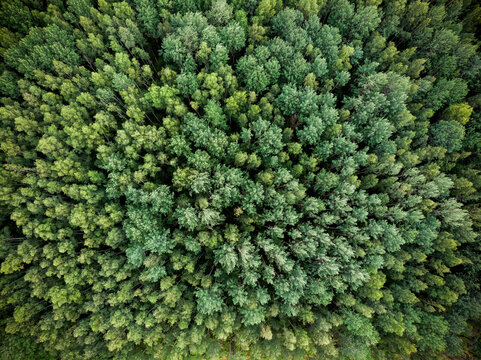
{"points": [[250, 179]]}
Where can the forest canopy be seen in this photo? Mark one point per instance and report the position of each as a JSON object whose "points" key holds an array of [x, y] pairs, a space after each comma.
{"points": [[245, 179]]}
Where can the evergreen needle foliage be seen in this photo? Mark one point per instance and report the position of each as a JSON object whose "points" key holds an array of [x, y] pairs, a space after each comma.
{"points": [[250, 179]]}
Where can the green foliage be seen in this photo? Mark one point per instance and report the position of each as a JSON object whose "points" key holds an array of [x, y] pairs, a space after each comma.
{"points": [[240, 179]]}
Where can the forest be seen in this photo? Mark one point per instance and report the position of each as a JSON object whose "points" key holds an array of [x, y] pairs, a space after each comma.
{"points": [[240, 179]]}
